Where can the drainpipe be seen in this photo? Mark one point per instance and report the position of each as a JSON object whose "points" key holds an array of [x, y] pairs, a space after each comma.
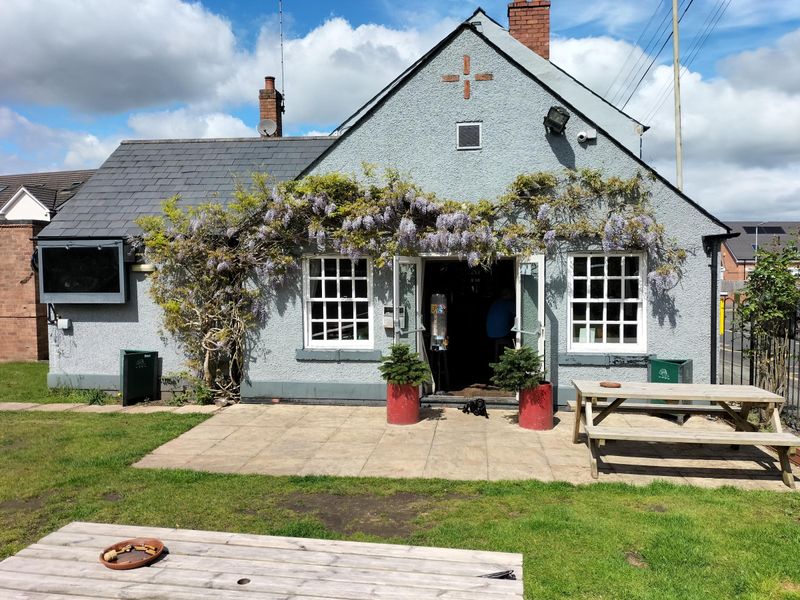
{"points": [[711, 244]]}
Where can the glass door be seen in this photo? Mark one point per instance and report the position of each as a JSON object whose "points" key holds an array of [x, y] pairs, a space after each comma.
{"points": [[408, 302], [529, 325]]}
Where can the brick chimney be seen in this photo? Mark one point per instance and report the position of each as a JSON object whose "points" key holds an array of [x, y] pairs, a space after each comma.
{"points": [[270, 104], [529, 23]]}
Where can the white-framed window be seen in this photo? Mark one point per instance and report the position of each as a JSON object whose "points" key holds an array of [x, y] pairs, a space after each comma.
{"points": [[469, 136], [337, 302], [606, 310]]}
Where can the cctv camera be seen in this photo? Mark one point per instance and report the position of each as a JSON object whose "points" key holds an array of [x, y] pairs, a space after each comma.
{"points": [[583, 137]]}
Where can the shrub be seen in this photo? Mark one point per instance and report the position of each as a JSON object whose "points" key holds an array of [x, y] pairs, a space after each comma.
{"points": [[404, 367], [518, 369]]}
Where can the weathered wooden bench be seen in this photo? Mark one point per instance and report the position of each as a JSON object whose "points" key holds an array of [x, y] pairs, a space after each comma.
{"points": [[718, 399], [227, 566], [656, 409], [784, 443]]}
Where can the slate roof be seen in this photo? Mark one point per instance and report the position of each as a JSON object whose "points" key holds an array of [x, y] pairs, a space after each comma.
{"points": [[52, 189], [742, 247], [616, 122], [139, 175]]}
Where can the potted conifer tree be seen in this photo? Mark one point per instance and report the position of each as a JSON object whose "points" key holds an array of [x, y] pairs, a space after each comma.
{"points": [[520, 370], [404, 372]]}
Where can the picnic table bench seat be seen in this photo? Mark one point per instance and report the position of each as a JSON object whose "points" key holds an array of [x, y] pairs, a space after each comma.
{"points": [[692, 436], [647, 407]]}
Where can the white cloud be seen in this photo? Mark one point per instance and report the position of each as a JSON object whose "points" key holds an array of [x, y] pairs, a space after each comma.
{"points": [[742, 193], [775, 67], [330, 71], [88, 151], [97, 55], [183, 123], [41, 148]]}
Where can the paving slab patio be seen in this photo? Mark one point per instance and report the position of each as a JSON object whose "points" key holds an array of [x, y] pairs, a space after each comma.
{"points": [[291, 439]]}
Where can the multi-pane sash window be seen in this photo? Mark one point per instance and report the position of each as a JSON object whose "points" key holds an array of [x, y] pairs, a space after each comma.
{"points": [[606, 306], [337, 302]]}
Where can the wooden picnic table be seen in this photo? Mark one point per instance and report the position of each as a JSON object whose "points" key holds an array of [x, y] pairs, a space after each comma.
{"points": [[227, 566], [733, 401]]}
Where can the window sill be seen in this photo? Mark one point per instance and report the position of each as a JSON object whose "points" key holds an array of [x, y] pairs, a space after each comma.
{"points": [[337, 356], [603, 359]]}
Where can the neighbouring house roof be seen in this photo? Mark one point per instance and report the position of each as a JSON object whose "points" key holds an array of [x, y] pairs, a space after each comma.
{"points": [[614, 121], [743, 248], [51, 189], [139, 175]]}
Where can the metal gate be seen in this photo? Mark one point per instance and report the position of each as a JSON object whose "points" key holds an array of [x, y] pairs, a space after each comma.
{"points": [[737, 357]]}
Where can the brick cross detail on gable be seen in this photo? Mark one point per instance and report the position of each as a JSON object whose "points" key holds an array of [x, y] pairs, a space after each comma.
{"points": [[467, 81]]}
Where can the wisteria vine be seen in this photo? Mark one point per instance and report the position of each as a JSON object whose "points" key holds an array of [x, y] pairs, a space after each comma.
{"points": [[217, 265]]}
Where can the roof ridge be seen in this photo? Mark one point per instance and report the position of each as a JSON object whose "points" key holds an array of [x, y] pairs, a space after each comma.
{"points": [[249, 139], [44, 173]]}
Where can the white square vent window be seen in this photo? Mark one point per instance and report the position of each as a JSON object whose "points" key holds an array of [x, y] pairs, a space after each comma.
{"points": [[468, 136]]}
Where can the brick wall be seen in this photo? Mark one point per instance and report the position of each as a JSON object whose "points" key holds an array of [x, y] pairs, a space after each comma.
{"points": [[529, 23], [270, 103], [733, 270], [23, 321]]}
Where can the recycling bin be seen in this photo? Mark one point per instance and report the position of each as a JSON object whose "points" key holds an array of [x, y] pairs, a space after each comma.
{"points": [[139, 379], [664, 370]]}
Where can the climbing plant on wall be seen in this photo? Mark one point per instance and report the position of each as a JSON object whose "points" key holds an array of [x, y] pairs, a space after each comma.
{"points": [[217, 265]]}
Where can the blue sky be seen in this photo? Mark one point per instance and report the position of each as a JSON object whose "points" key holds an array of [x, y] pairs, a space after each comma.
{"points": [[168, 68]]}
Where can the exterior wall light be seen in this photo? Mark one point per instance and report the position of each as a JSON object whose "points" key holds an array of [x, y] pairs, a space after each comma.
{"points": [[556, 120]]}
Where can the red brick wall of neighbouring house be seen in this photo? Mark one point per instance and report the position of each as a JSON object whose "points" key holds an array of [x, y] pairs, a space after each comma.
{"points": [[23, 321], [733, 270]]}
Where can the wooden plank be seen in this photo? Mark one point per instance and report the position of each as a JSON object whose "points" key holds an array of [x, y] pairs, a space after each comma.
{"points": [[267, 586], [786, 467], [693, 436], [576, 432], [594, 457], [740, 422], [607, 411], [287, 556], [500, 559], [23, 595], [679, 391], [242, 568], [101, 588], [648, 408]]}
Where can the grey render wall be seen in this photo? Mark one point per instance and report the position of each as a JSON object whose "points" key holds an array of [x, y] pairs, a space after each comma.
{"points": [[414, 131], [274, 369], [87, 354]]}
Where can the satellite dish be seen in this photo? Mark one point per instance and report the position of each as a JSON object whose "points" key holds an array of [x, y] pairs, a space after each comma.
{"points": [[267, 127]]}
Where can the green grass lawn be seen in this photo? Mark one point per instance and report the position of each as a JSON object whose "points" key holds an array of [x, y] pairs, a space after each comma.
{"points": [[603, 541], [27, 382]]}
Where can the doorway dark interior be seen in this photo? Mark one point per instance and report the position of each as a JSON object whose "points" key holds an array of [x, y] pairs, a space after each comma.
{"points": [[463, 369]]}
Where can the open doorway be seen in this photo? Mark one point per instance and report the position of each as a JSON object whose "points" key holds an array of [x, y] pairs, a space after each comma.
{"points": [[474, 295]]}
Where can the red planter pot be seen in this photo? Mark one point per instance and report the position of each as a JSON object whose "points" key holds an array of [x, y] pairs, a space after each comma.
{"points": [[402, 404], [536, 407]]}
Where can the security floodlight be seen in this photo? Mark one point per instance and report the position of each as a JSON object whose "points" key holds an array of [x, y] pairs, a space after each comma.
{"points": [[556, 120]]}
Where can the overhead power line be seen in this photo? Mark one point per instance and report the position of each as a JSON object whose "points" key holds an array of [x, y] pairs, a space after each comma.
{"points": [[711, 23], [633, 48], [655, 58], [641, 61]]}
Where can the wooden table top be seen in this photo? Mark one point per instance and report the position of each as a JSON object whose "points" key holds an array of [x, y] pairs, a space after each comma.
{"points": [[708, 392], [204, 564]]}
